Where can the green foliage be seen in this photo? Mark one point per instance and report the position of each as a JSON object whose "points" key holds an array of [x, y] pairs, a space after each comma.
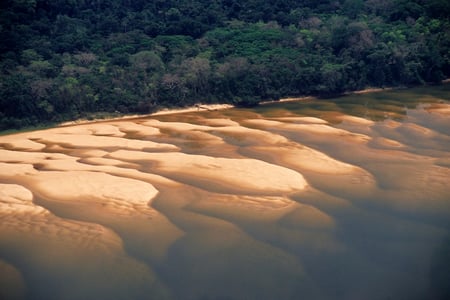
{"points": [[68, 59]]}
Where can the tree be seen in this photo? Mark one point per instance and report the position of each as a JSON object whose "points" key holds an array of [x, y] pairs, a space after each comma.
{"points": [[66, 59], [333, 80], [195, 72], [147, 61]]}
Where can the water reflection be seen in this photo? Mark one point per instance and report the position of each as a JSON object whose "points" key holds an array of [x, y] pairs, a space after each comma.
{"points": [[320, 199]]}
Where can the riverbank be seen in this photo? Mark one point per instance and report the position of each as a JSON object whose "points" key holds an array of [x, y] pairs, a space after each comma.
{"points": [[358, 92], [209, 107], [195, 108], [165, 111]]}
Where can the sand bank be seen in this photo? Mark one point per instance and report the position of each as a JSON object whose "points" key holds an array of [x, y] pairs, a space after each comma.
{"points": [[80, 186], [231, 175], [301, 120], [92, 141], [239, 198], [355, 120], [166, 111], [60, 246], [200, 107], [111, 194], [319, 129]]}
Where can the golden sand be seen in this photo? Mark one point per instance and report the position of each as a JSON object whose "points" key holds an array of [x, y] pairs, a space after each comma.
{"points": [[118, 199]]}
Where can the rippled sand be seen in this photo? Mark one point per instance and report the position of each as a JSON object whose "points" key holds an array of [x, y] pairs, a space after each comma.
{"points": [[280, 202]]}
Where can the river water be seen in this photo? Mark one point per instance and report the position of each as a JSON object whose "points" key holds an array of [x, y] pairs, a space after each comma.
{"points": [[345, 198]]}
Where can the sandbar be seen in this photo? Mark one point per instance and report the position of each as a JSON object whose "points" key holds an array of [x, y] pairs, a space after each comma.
{"points": [[234, 175]]}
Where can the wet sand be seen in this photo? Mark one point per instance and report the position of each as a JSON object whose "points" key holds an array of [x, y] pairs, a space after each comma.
{"points": [[285, 201]]}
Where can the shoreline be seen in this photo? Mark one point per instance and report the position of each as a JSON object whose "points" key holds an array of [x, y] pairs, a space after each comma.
{"points": [[212, 107], [203, 107], [165, 111], [357, 92]]}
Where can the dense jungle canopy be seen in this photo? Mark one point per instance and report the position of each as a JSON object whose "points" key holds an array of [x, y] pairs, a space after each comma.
{"points": [[68, 59]]}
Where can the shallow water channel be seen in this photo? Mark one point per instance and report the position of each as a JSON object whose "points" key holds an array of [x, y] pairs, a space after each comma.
{"points": [[345, 198]]}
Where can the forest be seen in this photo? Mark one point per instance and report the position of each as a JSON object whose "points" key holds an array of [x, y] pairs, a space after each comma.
{"points": [[68, 59]]}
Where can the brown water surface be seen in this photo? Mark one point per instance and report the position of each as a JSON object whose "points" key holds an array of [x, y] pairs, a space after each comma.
{"points": [[343, 198]]}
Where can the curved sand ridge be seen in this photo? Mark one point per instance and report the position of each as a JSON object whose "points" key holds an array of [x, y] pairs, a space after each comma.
{"points": [[75, 246], [226, 174], [90, 141], [312, 128], [202, 207], [85, 186], [260, 140], [74, 180], [16, 200], [90, 193]]}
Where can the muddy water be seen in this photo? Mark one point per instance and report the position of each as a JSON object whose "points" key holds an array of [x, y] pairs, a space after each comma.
{"points": [[344, 198]]}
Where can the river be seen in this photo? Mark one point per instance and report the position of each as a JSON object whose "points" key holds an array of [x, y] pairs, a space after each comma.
{"points": [[345, 198]]}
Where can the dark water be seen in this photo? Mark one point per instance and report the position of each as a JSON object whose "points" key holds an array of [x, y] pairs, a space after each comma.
{"points": [[343, 198]]}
